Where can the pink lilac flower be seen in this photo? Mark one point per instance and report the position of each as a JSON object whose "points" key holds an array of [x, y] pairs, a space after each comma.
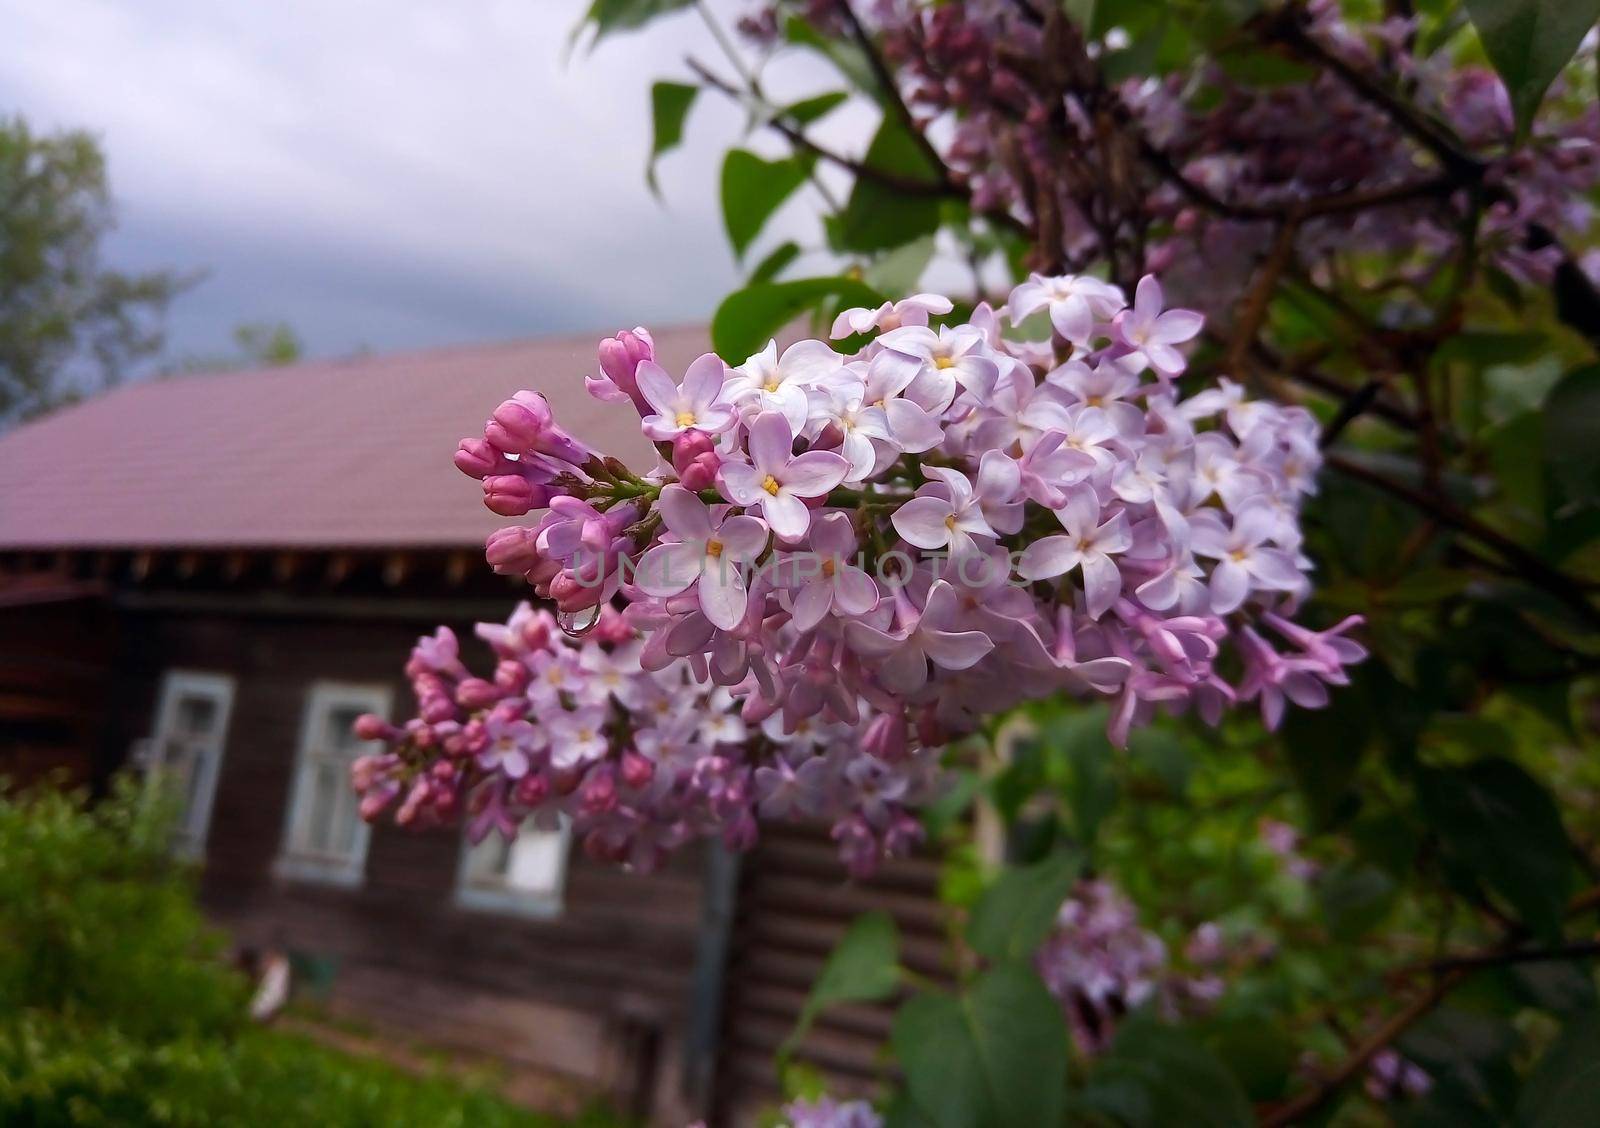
{"points": [[1100, 965], [943, 460], [1147, 330], [707, 556], [779, 482], [637, 761], [696, 406], [1087, 546]]}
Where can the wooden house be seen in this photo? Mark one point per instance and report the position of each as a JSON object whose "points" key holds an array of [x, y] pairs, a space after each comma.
{"points": [[220, 572]]}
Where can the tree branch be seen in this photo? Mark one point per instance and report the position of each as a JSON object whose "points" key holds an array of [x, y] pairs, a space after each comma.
{"points": [[896, 101], [799, 140], [1298, 1108], [1531, 567]]}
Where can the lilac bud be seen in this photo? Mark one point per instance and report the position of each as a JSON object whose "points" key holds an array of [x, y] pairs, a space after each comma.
{"points": [[475, 693], [518, 423], [532, 789], [370, 726], [512, 677], [620, 357], [476, 458], [701, 474], [886, 738], [435, 710], [571, 593], [636, 769], [512, 495], [599, 792], [512, 551]]}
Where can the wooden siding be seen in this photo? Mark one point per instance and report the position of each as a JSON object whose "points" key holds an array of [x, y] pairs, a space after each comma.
{"points": [[795, 902], [55, 673], [596, 998]]}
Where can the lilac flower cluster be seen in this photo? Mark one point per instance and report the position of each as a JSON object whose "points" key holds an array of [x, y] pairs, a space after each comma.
{"points": [[826, 1112], [944, 524], [640, 757], [1100, 965], [1024, 146]]}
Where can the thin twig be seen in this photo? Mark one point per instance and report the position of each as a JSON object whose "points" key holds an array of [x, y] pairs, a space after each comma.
{"points": [[891, 93], [799, 139], [1258, 299], [1308, 1102], [1288, 28], [1532, 568]]}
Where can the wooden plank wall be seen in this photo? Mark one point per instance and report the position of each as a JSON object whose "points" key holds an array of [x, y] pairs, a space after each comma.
{"points": [[795, 901], [55, 672], [595, 999]]}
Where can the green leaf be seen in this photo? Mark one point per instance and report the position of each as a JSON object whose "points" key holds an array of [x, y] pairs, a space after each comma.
{"points": [[1091, 792], [899, 271], [880, 218], [752, 189], [1355, 898], [607, 16], [1530, 41], [1324, 750], [748, 318], [669, 108], [1563, 1090], [808, 110], [774, 264], [864, 967], [1156, 1076], [1018, 910], [1499, 823], [995, 1057], [1572, 433], [843, 54]]}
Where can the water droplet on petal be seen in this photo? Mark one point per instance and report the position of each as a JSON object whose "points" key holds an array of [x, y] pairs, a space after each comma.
{"points": [[576, 624]]}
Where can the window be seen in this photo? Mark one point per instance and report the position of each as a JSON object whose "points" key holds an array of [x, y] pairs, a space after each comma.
{"points": [[324, 837], [185, 753], [524, 876]]}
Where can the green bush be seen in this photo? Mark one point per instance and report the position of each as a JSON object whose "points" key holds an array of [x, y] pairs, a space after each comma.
{"points": [[54, 1073], [116, 1007], [98, 922]]}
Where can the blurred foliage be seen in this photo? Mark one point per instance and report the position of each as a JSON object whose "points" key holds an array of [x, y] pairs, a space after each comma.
{"points": [[256, 344], [116, 1008], [68, 325], [1413, 869]]}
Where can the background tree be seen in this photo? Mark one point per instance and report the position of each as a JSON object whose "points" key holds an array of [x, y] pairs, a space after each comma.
{"points": [[69, 325], [256, 344]]}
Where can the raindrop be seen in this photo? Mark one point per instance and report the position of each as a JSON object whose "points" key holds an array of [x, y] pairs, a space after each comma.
{"points": [[576, 624]]}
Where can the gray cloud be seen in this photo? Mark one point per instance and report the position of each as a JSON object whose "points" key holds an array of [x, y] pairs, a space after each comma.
{"points": [[388, 174]]}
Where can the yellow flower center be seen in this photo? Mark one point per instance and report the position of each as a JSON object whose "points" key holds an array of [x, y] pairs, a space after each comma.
{"points": [[944, 362], [585, 735], [950, 521], [827, 568], [770, 485], [772, 384], [686, 419], [714, 549]]}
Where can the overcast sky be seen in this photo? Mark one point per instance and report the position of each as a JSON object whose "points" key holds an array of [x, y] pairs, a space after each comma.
{"points": [[388, 173]]}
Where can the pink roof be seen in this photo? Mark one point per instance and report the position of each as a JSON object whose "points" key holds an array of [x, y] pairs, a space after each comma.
{"points": [[342, 453]]}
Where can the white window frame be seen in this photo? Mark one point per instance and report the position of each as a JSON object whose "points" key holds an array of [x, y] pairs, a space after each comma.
{"points": [[295, 863], [480, 896], [189, 835]]}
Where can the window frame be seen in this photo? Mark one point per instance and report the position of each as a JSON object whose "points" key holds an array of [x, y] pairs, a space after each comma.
{"points": [[298, 864], [189, 835], [505, 900]]}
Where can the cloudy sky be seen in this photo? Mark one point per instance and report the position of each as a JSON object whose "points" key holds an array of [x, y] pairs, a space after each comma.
{"points": [[389, 174]]}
